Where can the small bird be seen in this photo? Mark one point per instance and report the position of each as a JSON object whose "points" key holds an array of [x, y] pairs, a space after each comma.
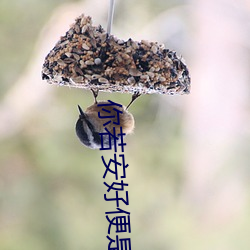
{"points": [[89, 125]]}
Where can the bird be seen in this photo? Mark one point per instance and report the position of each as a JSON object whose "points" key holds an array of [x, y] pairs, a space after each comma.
{"points": [[101, 117]]}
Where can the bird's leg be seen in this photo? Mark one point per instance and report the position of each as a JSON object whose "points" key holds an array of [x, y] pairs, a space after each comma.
{"points": [[134, 97], [95, 94]]}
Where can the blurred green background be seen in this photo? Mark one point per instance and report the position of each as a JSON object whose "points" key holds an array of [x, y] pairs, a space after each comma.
{"points": [[189, 156]]}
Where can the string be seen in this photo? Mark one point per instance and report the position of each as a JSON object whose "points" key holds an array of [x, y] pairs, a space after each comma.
{"points": [[110, 16]]}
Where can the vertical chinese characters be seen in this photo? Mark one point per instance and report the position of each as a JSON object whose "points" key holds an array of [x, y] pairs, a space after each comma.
{"points": [[116, 167]]}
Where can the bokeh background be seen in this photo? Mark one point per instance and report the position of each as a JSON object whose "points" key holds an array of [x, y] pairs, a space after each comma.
{"points": [[189, 158]]}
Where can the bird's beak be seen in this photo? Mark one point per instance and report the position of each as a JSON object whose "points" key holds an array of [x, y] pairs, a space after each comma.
{"points": [[82, 115]]}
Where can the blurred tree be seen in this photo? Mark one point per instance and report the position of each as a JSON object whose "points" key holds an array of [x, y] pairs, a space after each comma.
{"points": [[217, 120]]}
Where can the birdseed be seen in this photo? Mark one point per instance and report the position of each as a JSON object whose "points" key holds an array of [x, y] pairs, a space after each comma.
{"points": [[87, 57]]}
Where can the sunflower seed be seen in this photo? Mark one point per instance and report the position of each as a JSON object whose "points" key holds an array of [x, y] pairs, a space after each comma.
{"points": [[134, 72], [131, 80], [84, 29], [61, 62], [69, 60], [103, 80], [68, 54], [150, 74], [85, 46], [145, 42], [88, 62], [77, 57], [77, 29], [154, 49], [77, 79], [78, 70], [144, 78], [95, 76]]}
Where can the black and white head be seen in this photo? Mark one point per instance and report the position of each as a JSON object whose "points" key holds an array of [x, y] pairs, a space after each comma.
{"points": [[89, 125]]}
